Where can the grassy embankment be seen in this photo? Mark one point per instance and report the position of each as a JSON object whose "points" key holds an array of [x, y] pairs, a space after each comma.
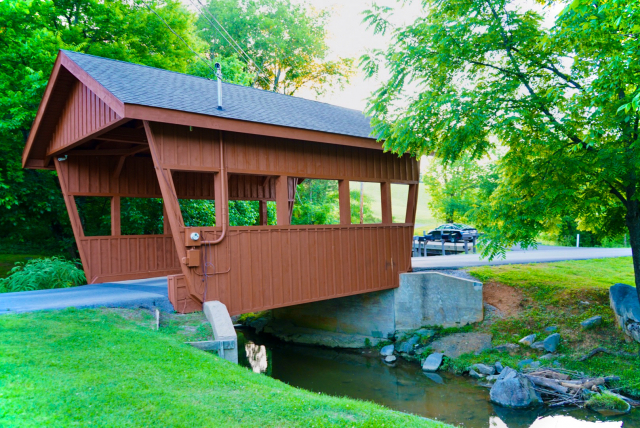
{"points": [[111, 368], [560, 294]]}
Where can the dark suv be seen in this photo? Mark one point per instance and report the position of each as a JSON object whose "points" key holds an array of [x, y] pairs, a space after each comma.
{"points": [[452, 232]]}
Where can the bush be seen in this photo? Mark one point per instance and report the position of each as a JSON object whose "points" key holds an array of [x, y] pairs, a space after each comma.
{"points": [[607, 401], [42, 274]]}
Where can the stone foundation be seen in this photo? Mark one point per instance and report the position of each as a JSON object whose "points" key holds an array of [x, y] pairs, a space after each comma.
{"points": [[423, 298]]}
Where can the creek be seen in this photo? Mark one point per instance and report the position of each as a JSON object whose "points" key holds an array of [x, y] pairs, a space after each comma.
{"points": [[458, 400]]}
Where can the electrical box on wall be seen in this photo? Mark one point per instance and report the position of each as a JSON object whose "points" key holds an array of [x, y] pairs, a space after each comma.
{"points": [[193, 258], [192, 237]]}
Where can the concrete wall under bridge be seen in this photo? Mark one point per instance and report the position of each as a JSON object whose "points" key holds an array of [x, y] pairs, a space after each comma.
{"points": [[423, 298]]}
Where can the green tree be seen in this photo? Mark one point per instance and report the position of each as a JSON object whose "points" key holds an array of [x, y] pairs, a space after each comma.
{"points": [[31, 33], [316, 203], [286, 41], [458, 188], [564, 101]]}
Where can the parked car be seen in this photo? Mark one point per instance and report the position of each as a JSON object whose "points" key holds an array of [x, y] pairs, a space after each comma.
{"points": [[452, 232]]}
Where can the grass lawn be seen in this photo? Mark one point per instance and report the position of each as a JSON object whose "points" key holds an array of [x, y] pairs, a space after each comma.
{"points": [[105, 367], [560, 294]]}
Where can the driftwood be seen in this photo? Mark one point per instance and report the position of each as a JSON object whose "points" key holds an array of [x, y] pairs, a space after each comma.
{"points": [[562, 387], [606, 351]]}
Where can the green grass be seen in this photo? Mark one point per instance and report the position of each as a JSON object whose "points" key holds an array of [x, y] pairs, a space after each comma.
{"points": [[110, 368], [606, 400], [562, 294]]}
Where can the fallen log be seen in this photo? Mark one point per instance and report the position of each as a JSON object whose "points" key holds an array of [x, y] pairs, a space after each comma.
{"points": [[551, 374], [548, 383], [606, 351]]}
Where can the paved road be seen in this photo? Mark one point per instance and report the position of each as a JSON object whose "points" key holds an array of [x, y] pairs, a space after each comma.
{"points": [[516, 256], [126, 294]]}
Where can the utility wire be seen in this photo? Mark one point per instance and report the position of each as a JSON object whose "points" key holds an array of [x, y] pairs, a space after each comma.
{"points": [[178, 36], [235, 45]]}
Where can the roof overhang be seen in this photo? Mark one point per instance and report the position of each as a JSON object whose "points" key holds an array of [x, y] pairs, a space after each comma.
{"points": [[66, 71]]}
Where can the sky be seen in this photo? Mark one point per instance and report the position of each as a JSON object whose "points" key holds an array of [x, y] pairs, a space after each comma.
{"points": [[349, 37]]}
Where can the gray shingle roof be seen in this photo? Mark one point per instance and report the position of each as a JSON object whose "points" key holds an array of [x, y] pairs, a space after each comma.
{"points": [[148, 86]]}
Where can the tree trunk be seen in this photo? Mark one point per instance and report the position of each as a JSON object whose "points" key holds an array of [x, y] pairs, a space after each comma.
{"points": [[633, 224]]}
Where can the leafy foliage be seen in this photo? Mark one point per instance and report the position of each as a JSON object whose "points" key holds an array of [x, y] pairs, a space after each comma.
{"points": [[563, 101], [606, 400], [458, 188], [316, 203], [285, 39], [42, 274]]}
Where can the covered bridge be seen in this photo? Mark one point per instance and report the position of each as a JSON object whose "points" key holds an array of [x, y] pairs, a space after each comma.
{"points": [[118, 130]]}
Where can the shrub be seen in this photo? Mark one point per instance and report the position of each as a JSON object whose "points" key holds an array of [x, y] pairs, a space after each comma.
{"points": [[608, 401], [42, 274]]}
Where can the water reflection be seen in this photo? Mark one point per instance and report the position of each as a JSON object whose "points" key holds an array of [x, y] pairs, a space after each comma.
{"points": [[452, 399], [256, 356]]}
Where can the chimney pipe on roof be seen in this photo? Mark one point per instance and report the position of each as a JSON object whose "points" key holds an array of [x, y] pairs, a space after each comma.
{"points": [[219, 77]]}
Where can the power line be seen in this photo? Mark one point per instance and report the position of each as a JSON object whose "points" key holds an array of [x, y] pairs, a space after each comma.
{"points": [[237, 47], [178, 36]]}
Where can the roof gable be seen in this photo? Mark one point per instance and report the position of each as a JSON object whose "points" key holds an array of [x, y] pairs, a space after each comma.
{"points": [[153, 87]]}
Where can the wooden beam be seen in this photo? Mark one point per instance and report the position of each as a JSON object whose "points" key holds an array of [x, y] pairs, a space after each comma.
{"points": [[74, 217], [345, 201], [166, 227], [412, 204], [115, 216], [176, 117], [385, 193], [282, 200], [165, 181], [109, 152], [264, 212], [124, 135]]}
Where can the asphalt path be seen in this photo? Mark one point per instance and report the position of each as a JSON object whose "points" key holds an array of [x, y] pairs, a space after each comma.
{"points": [[517, 256], [146, 293]]}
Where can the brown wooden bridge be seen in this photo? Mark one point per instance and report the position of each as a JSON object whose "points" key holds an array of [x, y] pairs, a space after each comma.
{"points": [[114, 129]]}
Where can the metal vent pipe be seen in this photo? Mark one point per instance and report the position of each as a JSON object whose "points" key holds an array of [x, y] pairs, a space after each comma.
{"points": [[219, 77]]}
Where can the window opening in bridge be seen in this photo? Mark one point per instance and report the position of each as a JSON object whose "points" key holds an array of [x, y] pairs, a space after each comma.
{"points": [[366, 207], [95, 215], [316, 202], [141, 216], [198, 212], [399, 201]]}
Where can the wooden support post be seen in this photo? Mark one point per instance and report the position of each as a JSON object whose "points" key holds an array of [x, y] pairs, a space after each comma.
{"points": [[219, 203], [385, 193], [412, 204], [115, 216], [173, 210], [74, 218], [166, 227], [345, 201], [264, 213], [282, 200]]}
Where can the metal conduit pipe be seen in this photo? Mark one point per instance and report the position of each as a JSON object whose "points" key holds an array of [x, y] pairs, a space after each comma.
{"points": [[223, 197]]}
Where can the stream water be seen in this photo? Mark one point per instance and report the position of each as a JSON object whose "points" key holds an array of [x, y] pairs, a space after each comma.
{"points": [[457, 400]]}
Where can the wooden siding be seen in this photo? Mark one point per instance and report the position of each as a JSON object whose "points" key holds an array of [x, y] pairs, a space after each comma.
{"points": [[258, 268], [83, 115], [112, 258], [189, 148]]}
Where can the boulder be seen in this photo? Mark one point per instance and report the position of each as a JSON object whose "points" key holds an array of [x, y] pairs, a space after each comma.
{"points": [[507, 347], [626, 309], [591, 322], [407, 346], [457, 344], [426, 333], [525, 363], [551, 342], [528, 340], [514, 390], [499, 367], [386, 350], [538, 345], [390, 359], [474, 374], [484, 369], [433, 362], [551, 329], [434, 377]]}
